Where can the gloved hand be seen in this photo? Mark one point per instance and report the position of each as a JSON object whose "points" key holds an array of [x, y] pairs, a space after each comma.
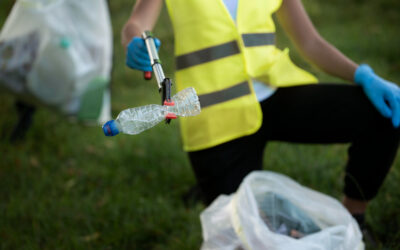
{"points": [[137, 56], [384, 95]]}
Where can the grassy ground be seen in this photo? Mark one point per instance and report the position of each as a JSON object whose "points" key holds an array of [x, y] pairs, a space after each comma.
{"points": [[69, 187]]}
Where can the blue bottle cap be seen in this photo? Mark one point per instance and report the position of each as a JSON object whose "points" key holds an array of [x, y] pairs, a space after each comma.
{"points": [[110, 128]]}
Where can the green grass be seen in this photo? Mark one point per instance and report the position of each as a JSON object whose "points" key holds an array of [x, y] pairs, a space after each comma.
{"points": [[69, 187]]}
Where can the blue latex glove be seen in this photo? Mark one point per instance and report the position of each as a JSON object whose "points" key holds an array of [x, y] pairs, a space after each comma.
{"points": [[137, 56], [384, 95]]}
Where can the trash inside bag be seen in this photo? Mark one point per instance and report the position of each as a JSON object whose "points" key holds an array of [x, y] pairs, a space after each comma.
{"points": [[271, 211], [58, 53], [16, 60], [283, 217]]}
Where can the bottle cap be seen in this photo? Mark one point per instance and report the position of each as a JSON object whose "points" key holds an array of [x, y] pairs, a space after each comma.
{"points": [[65, 43], [110, 128]]}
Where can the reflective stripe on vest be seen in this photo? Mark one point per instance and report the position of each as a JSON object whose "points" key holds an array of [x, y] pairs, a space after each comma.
{"points": [[258, 39], [207, 55], [223, 50], [236, 91]]}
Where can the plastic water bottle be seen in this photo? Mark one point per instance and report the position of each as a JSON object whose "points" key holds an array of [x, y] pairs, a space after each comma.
{"points": [[136, 120]]}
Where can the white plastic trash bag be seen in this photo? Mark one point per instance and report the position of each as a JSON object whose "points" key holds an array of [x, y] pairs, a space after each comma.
{"points": [[272, 212], [59, 52]]}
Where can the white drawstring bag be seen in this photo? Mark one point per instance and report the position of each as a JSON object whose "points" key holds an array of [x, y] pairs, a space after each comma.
{"points": [[59, 52], [245, 220]]}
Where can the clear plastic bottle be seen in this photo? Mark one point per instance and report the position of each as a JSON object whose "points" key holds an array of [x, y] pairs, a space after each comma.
{"points": [[136, 120]]}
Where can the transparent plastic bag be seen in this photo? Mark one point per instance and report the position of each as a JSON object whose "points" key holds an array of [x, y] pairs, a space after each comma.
{"points": [[70, 68], [240, 218]]}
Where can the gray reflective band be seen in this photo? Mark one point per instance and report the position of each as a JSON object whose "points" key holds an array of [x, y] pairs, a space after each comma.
{"points": [[224, 95], [258, 39], [206, 55]]}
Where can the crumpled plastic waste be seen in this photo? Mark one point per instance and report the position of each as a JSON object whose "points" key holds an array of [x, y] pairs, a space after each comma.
{"points": [[17, 57], [283, 217], [136, 120]]}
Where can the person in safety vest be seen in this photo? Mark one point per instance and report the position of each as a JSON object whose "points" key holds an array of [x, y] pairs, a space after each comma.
{"points": [[251, 93]]}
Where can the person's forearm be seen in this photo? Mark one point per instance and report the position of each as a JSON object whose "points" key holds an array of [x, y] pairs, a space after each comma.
{"points": [[311, 45], [144, 16], [329, 59], [130, 30]]}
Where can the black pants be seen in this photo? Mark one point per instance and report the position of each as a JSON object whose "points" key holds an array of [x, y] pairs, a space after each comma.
{"points": [[322, 113]]}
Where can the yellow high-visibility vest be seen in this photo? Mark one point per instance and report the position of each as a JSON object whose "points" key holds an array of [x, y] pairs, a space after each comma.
{"points": [[219, 57]]}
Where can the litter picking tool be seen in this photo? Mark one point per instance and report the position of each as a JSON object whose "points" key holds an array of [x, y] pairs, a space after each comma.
{"points": [[135, 120], [164, 84]]}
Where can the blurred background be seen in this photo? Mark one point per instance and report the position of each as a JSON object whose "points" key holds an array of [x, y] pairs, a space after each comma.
{"points": [[67, 186]]}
